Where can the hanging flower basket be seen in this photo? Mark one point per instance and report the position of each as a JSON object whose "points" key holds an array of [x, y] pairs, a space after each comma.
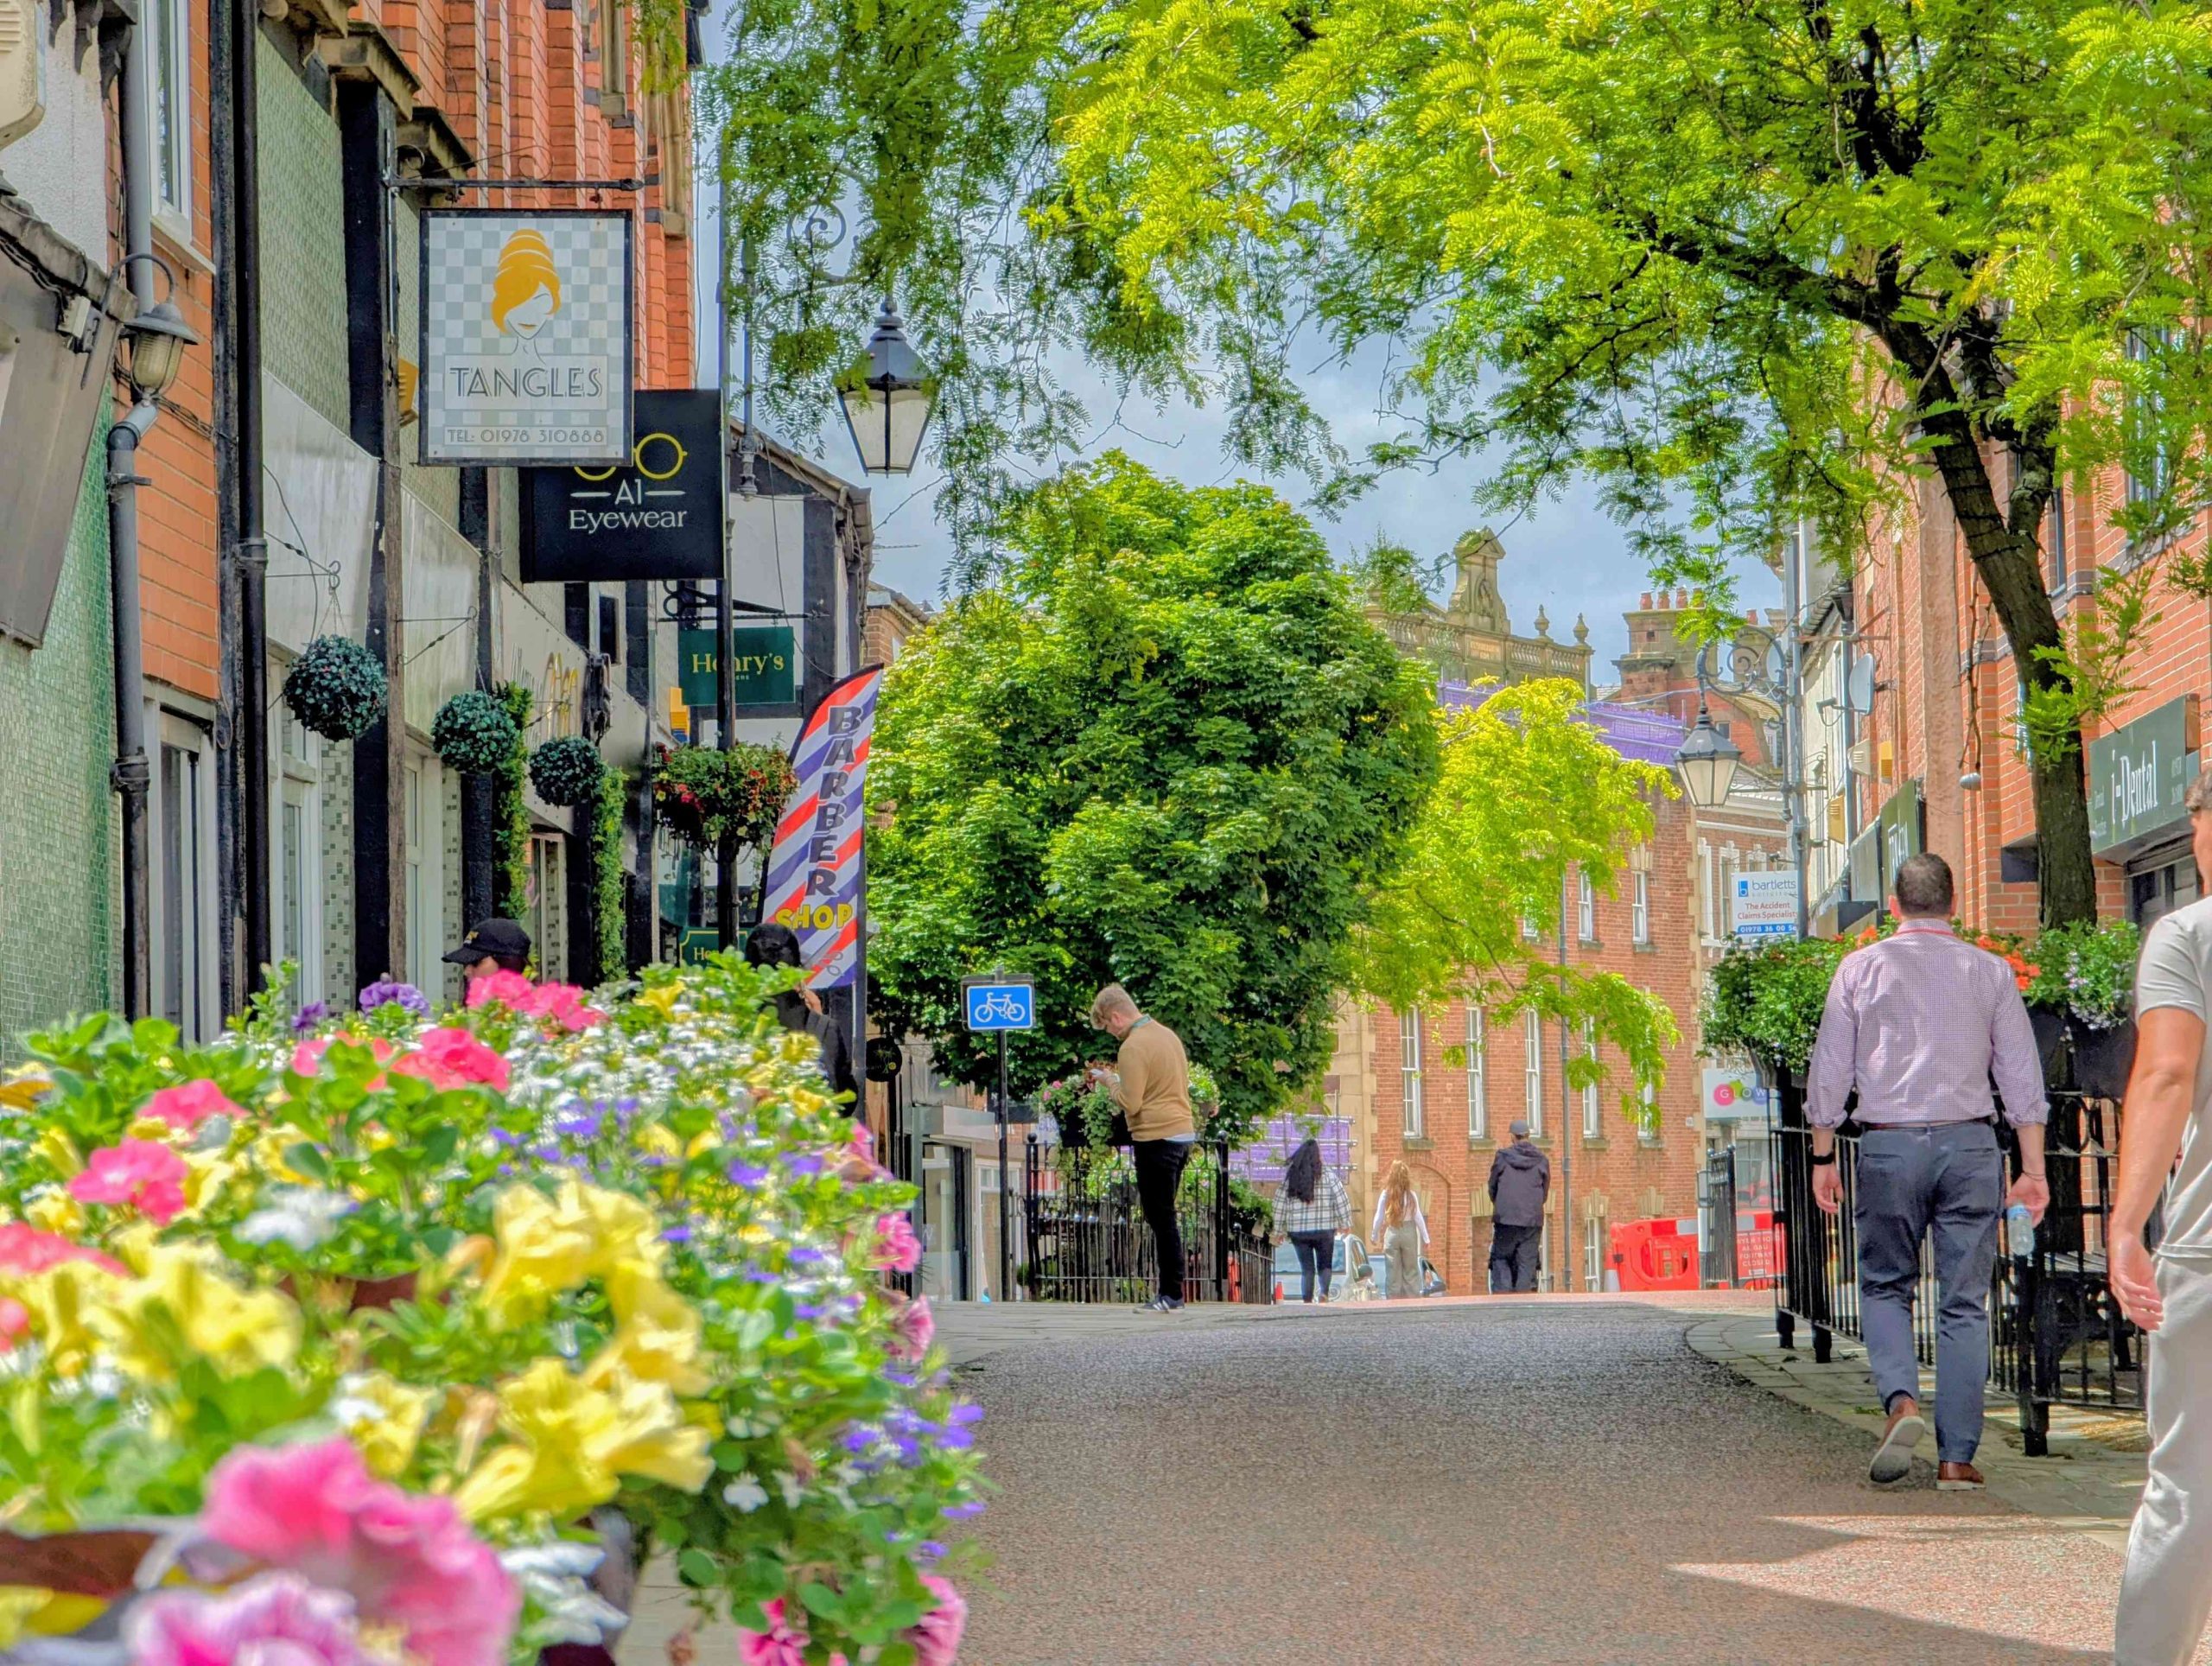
{"points": [[566, 771], [337, 688], [473, 733], [706, 795]]}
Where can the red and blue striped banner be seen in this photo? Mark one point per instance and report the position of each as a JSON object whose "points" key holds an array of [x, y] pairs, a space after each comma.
{"points": [[816, 879]]}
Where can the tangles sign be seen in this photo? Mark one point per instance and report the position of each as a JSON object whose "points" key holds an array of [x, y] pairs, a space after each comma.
{"points": [[657, 514], [526, 336], [814, 874]]}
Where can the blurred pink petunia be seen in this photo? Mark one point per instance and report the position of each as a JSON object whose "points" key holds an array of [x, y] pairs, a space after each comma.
{"points": [[187, 1105], [276, 1619], [897, 1248], [913, 1328], [509, 989], [936, 1639], [781, 1644], [453, 1058], [143, 1173], [307, 1056], [15, 1319], [407, 1558], [26, 1249]]}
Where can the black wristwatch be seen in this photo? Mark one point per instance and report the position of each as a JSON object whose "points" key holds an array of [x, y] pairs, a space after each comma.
{"points": [[1819, 1159]]}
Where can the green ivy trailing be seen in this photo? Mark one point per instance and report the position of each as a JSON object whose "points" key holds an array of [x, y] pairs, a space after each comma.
{"points": [[608, 896], [510, 812], [1767, 1001]]}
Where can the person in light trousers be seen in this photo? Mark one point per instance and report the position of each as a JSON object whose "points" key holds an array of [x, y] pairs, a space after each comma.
{"points": [[2166, 1592], [1920, 1024], [1402, 1231]]}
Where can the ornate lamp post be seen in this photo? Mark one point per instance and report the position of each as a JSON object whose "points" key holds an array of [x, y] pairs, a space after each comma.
{"points": [[1764, 667]]}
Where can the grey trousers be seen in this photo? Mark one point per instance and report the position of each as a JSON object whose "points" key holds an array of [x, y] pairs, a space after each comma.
{"points": [[2166, 1593], [1948, 1179], [1402, 1245]]}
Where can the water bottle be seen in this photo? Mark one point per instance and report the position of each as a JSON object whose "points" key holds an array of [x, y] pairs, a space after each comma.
{"points": [[2019, 1231]]}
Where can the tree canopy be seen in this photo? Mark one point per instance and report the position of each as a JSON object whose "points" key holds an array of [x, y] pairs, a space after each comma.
{"points": [[1528, 795], [1744, 264], [1165, 750]]}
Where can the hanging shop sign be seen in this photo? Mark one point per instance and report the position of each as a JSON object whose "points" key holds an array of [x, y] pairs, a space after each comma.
{"points": [[1763, 906], [526, 336], [816, 881], [764, 661], [2137, 775], [657, 515]]}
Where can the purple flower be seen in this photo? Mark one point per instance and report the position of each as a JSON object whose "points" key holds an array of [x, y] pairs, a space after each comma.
{"points": [[859, 1440], [955, 1439], [758, 1276], [813, 1309], [585, 1125], [747, 1174], [309, 1016], [806, 1255], [803, 1164], [929, 1550], [968, 1511], [389, 992], [677, 1235], [965, 1413]]}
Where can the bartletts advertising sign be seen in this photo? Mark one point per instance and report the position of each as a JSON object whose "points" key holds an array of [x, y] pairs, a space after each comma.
{"points": [[526, 336], [815, 875]]}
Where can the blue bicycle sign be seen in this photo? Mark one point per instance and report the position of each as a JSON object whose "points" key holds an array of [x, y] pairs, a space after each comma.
{"points": [[999, 1003]]}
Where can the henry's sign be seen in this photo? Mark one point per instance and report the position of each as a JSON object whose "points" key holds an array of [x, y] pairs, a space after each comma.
{"points": [[2137, 775], [526, 336], [657, 515]]}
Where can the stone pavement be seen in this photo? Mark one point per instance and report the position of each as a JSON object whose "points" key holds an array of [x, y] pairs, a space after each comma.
{"points": [[1524, 1480]]}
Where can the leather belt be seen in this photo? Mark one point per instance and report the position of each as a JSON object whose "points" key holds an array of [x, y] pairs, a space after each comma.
{"points": [[1961, 1121]]}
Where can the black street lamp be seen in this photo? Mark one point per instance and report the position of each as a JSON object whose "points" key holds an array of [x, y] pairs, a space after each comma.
{"points": [[1707, 760], [889, 411]]}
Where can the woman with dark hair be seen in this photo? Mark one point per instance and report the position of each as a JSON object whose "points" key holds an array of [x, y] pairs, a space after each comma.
{"points": [[769, 946], [1310, 1209]]}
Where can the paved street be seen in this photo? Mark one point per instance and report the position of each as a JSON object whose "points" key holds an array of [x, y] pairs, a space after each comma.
{"points": [[1560, 1480]]}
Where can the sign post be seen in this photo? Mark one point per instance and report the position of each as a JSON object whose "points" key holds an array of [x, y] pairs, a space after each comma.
{"points": [[1764, 906], [999, 1005]]}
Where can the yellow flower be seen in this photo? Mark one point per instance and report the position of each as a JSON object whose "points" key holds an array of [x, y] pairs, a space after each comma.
{"points": [[33, 1611], [205, 1178], [183, 1295], [384, 1418], [269, 1156], [656, 1337], [549, 1245], [62, 1302], [656, 1141], [55, 1147], [576, 1441], [628, 1230], [662, 998], [21, 1087], [55, 1210]]}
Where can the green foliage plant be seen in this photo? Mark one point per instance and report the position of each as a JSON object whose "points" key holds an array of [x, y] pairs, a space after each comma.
{"points": [[336, 688], [707, 795], [2088, 971], [473, 733], [1167, 751], [1766, 1000], [609, 880], [510, 809], [566, 771]]}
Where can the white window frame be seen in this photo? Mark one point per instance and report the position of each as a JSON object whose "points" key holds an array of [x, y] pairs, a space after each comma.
{"points": [[1593, 1252], [170, 54], [1728, 865], [1704, 889], [1532, 1071], [1416, 1118], [1593, 1109], [1478, 1075], [1639, 906], [295, 785], [197, 1006], [546, 875], [1648, 1131], [1586, 906]]}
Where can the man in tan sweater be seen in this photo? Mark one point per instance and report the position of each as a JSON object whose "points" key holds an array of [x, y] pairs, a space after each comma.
{"points": [[1154, 1090]]}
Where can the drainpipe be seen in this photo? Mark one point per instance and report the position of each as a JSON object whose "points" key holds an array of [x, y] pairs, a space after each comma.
{"points": [[132, 773], [250, 556]]}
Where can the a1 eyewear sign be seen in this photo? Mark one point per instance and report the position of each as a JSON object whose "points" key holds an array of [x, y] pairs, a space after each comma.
{"points": [[1763, 906], [764, 663], [657, 515], [526, 336], [2137, 774], [999, 1003]]}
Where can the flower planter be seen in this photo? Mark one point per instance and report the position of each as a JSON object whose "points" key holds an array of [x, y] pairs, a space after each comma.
{"points": [[91, 1562], [2101, 1057], [2049, 1028]]}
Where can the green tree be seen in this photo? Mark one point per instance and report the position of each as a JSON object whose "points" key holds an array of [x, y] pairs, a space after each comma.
{"points": [[1744, 264], [1528, 795], [1165, 750]]}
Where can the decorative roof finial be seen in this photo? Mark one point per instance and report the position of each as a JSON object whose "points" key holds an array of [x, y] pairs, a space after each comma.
{"points": [[1581, 630], [1543, 625]]}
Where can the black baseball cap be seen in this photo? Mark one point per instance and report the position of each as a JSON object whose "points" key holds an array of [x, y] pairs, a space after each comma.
{"points": [[499, 938]]}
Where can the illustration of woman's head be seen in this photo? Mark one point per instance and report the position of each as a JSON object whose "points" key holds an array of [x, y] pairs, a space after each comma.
{"points": [[527, 290]]}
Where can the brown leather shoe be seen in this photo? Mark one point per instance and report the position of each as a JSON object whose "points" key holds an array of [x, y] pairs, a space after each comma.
{"points": [[1893, 1459], [1958, 1478]]}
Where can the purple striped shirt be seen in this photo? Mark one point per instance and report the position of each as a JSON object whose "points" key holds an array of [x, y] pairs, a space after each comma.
{"points": [[1919, 1024]]}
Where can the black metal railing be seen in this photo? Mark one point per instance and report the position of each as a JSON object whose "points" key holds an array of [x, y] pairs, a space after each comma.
{"points": [[2057, 1336], [1720, 1204], [1085, 1238]]}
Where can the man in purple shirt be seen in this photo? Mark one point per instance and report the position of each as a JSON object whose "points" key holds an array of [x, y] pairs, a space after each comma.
{"points": [[1920, 1024]]}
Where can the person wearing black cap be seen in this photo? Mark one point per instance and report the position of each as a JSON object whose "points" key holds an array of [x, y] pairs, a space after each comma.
{"points": [[798, 1009], [491, 945]]}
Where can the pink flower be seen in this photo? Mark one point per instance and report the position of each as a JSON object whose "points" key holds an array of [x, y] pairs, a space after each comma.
{"points": [[306, 1057], [510, 989], [276, 1619], [190, 1103], [142, 1173], [936, 1639], [15, 1319], [407, 1559], [453, 1059], [897, 1248], [564, 1004], [26, 1249], [781, 1644], [912, 1329]]}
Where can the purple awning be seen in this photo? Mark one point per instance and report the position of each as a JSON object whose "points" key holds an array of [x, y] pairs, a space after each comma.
{"points": [[1650, 737]]}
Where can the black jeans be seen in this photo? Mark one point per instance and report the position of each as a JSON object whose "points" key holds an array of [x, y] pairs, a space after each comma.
{"points": [[1513, 1251], [1316, 1257], [1159, 1171]]}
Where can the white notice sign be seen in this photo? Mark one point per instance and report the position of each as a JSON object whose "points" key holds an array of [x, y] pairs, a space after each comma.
{"points": [[1765, 905]]}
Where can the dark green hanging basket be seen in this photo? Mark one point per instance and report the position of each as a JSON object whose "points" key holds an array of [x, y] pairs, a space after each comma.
{"points": [[337, 688], [566, 771], [473, 733]]}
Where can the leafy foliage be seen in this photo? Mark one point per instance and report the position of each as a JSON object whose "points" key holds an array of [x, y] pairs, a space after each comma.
{"points": [[1766, 1000], [2087, 970], [336, 688], [1530, 793], [609, 881], [473, 733], [510, 810], [707, 795], [566, 771], [1166, 750]]}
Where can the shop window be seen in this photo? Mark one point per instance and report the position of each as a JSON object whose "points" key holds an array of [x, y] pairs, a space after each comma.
{"points": [[183, 900]]}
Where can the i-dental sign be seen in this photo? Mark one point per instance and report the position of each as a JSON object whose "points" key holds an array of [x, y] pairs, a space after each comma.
{"points": [[2137, 775]]}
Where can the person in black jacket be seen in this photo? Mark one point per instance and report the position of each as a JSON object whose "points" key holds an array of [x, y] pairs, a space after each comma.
{"points": [[801, 1009], [1520, 1176]]}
